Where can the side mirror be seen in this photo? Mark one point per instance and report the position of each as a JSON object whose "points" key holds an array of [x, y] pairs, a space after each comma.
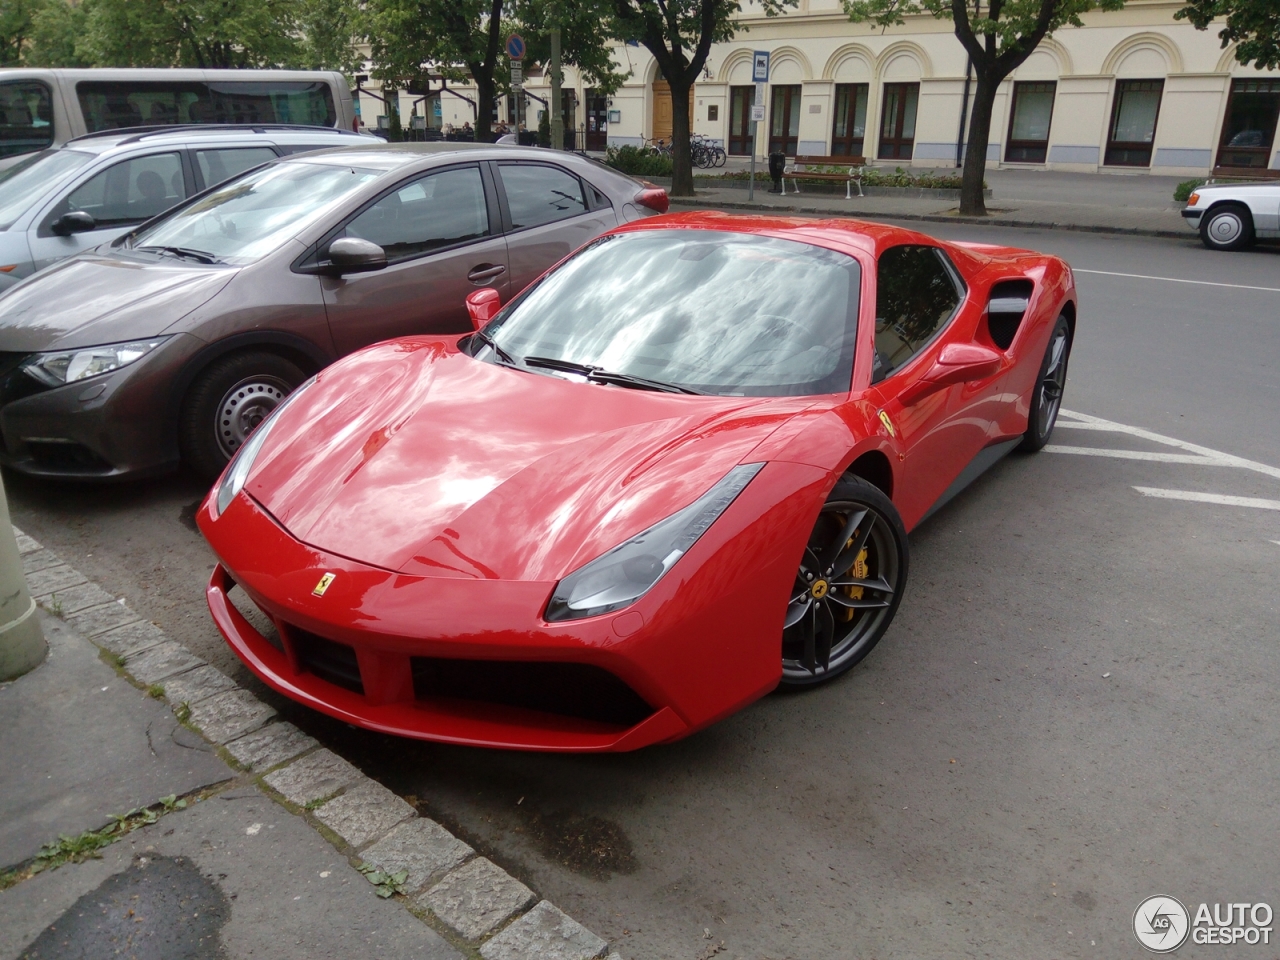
{"points": [[483, 305], [353, 255], [957, 363], [77, 221]]}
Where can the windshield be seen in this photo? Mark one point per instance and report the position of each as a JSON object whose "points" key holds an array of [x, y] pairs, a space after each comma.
{"points": [[732, 314], [30, 179], [247, 218]]}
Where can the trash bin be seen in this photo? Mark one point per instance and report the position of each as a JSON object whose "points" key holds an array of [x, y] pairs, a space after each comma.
{"points": [[777, 163]]}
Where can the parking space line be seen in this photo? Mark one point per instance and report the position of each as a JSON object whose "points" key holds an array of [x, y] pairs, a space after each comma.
{"points": [[1086, 422], [1218, 498], [1137, 455], [1202, 283]]}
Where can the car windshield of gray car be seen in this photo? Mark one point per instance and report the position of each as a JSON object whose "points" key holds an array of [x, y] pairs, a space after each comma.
{"points": [[30, 179], [695, 311], [248, 218]]}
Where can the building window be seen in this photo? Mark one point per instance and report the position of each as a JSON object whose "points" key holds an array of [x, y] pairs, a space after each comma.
{"points": [[784, 120], [898, 121], [849, 126], [741, 129], [713, 112], [1133, 123], [1029, 122], [1250, 126]]}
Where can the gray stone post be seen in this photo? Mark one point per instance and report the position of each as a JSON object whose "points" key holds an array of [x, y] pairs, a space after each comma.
{"points": [[22, 644]]}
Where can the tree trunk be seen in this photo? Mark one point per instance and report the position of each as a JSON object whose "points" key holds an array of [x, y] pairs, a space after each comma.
{"points": [[682, 161], [972, 203], [484, 105]]}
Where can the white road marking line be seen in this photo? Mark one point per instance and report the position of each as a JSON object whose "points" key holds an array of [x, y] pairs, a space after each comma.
{"points": [[1136, 455], [1218, 498], [1224, 459], [1201, 283]]}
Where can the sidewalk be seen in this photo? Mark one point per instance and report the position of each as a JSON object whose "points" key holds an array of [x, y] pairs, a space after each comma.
{"points": [[150, 808], [1100, 203]]}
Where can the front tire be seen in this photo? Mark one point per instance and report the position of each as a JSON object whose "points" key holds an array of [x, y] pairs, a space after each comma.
{"points": [[1228, 226], [849, 585], [227, 402], [1046, 395]]}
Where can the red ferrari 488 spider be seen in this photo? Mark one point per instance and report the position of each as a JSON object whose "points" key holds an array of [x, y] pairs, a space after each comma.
{"points": [[673, 473]]}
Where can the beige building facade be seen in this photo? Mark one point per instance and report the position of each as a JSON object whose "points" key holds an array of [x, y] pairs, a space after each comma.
{"points": [[1132, 91]]}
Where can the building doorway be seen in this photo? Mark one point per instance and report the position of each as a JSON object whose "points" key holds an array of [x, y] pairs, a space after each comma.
{"points": [[662, 118], [784, 120], [898, 121], [849, 125], [1250, 125], [1133, 123], [741, 129], [597, 120]]}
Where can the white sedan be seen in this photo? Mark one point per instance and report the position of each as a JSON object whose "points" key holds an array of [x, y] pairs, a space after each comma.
{"points": [[1230, 216]]}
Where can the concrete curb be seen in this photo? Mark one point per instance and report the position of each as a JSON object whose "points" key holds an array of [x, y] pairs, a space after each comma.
{"points": [[487, 911], [930, 218]]}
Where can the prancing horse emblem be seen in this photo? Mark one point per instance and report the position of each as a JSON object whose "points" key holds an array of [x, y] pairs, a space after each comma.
{"points": [[323, 585]]}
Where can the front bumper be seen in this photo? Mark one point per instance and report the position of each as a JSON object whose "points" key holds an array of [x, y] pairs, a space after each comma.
{"points": [[116, 425], [471, 662], [1192, 217]]}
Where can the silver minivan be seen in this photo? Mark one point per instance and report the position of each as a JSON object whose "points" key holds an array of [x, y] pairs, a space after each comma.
{"points": [[56, 203]]}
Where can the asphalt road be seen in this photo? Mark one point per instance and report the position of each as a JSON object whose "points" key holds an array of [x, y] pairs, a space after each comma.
{"points": [[1074, 710]]}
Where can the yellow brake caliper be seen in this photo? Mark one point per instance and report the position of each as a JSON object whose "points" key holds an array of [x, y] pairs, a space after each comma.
{"points": [[859, 571]]}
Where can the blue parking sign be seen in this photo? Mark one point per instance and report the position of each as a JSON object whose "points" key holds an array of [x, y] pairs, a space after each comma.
{"points": [[515, 47], [760, 66]]}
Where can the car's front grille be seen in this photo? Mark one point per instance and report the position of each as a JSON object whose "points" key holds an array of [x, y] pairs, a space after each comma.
{"points": [[66, 455], [567, 689], [334, 662]]}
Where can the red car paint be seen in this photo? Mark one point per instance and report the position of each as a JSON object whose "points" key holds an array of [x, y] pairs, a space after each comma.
{"points": [[450, 495]]}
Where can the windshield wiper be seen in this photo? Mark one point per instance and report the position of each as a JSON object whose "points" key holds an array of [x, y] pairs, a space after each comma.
{"points": [[185, 253], [600, 375], [493, 344]]}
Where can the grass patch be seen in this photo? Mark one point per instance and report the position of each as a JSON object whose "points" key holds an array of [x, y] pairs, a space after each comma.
{"points": [[638, 163], [1182, 192], [870, 177], [183, 713], [156, 690]]}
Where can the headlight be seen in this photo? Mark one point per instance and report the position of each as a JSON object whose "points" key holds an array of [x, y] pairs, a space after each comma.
{"points": [[627, 572], [234, 476], [68, 366]]}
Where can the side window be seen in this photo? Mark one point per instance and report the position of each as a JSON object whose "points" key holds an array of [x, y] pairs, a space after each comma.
{"points": [[218, 165], [436, 211], [917, 292], [26, 117], [130, 191], [538, 194]]}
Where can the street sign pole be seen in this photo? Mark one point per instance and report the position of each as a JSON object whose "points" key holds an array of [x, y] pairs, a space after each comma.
{"points": [[515, 55], [760, 77]]}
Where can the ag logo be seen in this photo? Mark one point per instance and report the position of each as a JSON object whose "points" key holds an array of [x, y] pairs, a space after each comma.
{"points": [[323, 585], [1161, 924]]}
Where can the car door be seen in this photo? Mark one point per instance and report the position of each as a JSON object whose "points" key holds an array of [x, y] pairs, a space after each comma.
{"points": [[118, 197], [549, 212], [440, 231], [920, 312]]}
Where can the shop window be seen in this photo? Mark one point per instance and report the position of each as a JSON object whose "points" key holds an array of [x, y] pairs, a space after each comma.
{"points": [[1029, 122], [1133, 123]]}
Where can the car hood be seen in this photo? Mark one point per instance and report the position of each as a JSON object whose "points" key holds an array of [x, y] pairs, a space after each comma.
{"points": [[97, 298], [416, 458]]}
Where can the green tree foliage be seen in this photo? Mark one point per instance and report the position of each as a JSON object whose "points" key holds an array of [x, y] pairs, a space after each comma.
{"points": [[998, 39], [17, 21], [585, 43], [1252, 24], [58, 27], [679, 34]]}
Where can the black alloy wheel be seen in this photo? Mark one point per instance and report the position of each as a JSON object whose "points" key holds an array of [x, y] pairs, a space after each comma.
{"points": [[227, 402], [1046, 395], [1228, 226], [849, 585]]}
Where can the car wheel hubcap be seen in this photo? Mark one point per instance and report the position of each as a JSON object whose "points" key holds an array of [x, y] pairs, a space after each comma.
{"points": [[1226, 228], [844, 590], [1053, 384], [245, 406]]}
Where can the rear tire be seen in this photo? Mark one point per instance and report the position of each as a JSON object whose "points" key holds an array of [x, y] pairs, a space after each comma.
{"points": [[226, 403], [1228, 226]]}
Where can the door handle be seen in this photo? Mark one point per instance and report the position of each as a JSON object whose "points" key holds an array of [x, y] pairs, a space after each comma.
{"points": [[486, 271]]}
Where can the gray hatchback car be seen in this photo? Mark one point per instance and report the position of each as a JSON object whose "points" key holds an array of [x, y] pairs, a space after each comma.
{"points": [[174, 341]]}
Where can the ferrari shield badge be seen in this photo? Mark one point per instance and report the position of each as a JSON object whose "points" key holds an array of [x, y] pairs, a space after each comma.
{"points": [[888, 424], [323, 585]]}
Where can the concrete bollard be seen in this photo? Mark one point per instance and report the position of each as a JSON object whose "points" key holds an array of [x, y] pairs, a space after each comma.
{"points": [[22, 644]]}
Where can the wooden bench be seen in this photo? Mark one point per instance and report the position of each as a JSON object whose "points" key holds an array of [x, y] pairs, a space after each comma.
{"points": [[800, 167], [1228, 174]]}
